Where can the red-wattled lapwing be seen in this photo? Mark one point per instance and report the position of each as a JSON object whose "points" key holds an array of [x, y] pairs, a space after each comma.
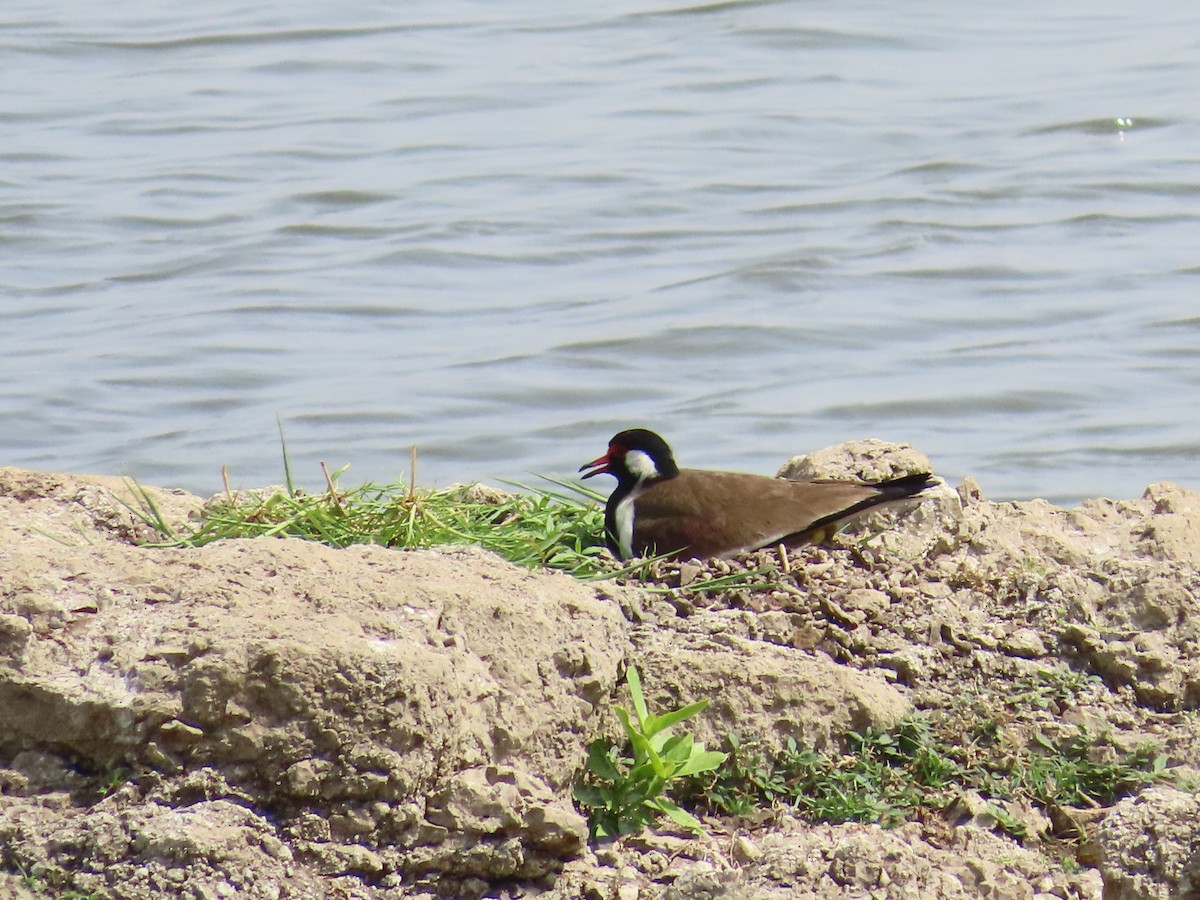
{"points": [[658, 507]]}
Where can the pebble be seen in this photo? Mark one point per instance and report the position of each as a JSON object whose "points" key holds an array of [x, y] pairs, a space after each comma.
{"points": [[745, 850], [1024, 642]]}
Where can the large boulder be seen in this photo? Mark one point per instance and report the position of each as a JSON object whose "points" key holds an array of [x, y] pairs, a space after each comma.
{"points": [[389, 713]]}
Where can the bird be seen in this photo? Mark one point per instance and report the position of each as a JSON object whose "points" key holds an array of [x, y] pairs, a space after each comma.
{"points": [[659, 508]]}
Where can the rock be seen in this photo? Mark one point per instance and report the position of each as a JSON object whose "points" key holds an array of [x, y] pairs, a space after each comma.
{"points": [[745, 850], [316, 680], [1024, 642], [984, 813], [1149, 846], [766, 691], [1174, 531], [215, 848], [499, 802], [868, 861], [689, 572], [863, 460]]}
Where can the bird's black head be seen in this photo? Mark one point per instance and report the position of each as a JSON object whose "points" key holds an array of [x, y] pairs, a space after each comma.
{"points": [[634, 456]]}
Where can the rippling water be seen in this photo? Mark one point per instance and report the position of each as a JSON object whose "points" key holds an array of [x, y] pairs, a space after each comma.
{"points": [[504, 231]]}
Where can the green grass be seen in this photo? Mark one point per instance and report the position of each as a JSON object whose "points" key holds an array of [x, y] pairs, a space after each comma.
{"points": [[925, 764], [50, 881], [537, 528], [884, 777], [560, 527]]}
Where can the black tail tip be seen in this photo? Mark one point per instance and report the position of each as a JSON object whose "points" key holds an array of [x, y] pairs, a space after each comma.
{"points": [[908, 485]]}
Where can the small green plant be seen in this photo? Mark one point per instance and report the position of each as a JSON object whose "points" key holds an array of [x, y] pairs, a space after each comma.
{"points": [[1086, 770], [49, 881], [623, 794], [1006, 821], [112, 781], [889, 776], [28, 879], [882, 778], [1052, 688]]}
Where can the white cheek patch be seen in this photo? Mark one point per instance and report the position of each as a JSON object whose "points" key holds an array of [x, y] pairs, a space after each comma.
{"points": [[640, 465]]}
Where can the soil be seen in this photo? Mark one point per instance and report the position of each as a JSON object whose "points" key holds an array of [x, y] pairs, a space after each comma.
{"points": [[277, 719]]}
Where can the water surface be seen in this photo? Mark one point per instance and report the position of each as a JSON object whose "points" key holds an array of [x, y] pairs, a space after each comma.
{"points": [[503, 232]]}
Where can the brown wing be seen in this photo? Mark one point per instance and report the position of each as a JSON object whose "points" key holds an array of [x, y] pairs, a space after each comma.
{"points": [[702, 513]]}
